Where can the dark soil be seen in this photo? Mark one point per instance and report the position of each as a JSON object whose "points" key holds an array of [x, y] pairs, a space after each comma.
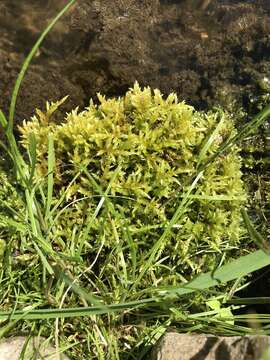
{"points": [[209, 52]]}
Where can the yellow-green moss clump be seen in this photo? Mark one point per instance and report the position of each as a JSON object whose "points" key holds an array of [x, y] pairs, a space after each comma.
{"points": [[144, 149], [11, 208]]}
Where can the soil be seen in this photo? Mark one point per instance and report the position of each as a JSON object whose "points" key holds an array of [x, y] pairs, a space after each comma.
{"points": [[208, 52]]}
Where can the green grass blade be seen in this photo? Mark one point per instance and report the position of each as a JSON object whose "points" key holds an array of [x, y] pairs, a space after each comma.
{"points": [[74, 312], [254, 234], [246, 130], [209, 140], [31, 210], [28, 61], [13, 151], [63, 196], [4, 330], [32, 151], [79, 290], [250, 301], [3, 120], [234, 270], [132, 248], [91, 218], [18, 226], [43, 259], [50, 181]]}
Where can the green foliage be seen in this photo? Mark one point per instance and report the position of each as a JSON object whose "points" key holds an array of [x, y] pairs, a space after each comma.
{"points": [[146, 150], [81, 228], [10, 209], [255, 159], [114, 203]]}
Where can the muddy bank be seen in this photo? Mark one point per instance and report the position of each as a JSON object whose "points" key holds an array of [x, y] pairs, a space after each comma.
{"points": [[208, 56], [211, 54]]}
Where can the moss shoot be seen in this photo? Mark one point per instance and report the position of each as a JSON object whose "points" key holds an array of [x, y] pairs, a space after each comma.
{"points": [[142, 151]]}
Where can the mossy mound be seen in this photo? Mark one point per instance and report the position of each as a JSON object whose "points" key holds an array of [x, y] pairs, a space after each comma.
{"points": [[143, 152]]}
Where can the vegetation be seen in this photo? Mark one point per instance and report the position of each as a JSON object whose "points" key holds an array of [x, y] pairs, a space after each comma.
{"points": [[106, 218], [142, 151]]}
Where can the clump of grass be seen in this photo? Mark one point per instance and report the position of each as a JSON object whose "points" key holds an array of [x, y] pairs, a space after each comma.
{"points": [[80, 241]]}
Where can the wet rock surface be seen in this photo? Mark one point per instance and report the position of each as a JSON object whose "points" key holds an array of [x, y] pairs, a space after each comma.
{"points": [[174, 346], [209, 52]]}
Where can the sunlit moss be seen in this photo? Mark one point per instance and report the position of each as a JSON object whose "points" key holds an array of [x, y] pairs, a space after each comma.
{"points": [[155, 145]]}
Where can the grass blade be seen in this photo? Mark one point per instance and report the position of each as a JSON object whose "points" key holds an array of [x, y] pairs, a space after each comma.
{"points": [[43, 259], [209, 140], [32, 151], [17, 159], [254, 234], [246, 130], [90, 220], [50, 183], [234, 270]]}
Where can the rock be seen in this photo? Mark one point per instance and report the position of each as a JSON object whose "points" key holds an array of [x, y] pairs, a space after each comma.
{"points": [[174, 346], [11, 348]]}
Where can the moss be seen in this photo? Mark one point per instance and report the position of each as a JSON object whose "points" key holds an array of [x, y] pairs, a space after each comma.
{"points": [[146, 149], [11, 212]]}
